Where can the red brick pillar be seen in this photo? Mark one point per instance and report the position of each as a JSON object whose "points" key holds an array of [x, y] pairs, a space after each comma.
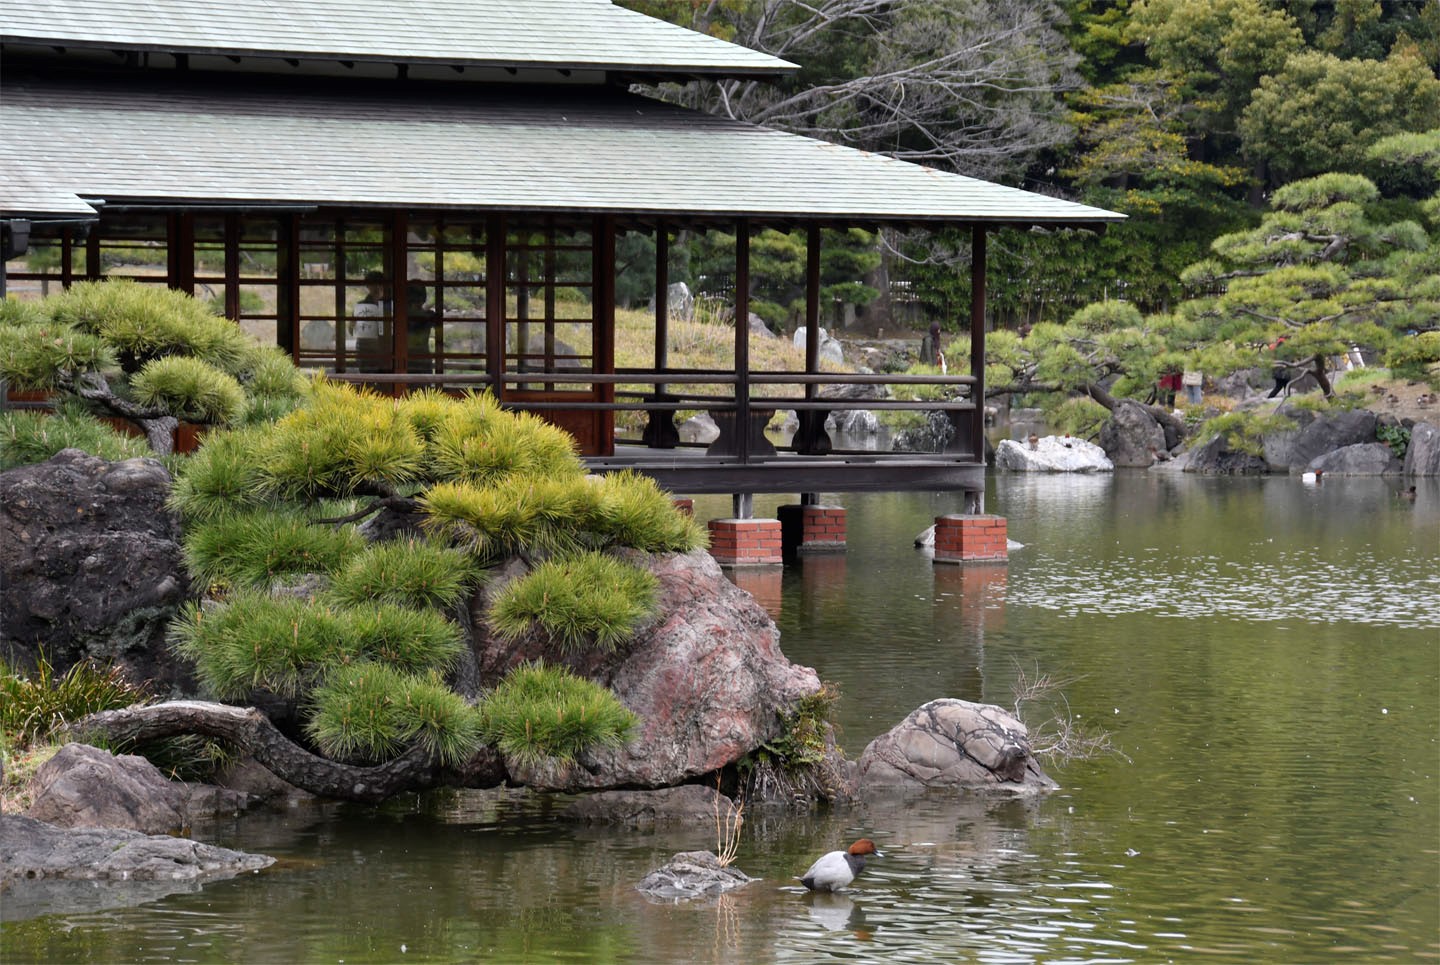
{"points": [[812, 529], [745, 542], [970, 539]]}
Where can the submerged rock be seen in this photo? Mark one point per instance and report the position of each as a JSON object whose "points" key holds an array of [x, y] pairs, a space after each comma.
{"points": [[956, 744], [690, 804], [35, 849], [692, 874]]}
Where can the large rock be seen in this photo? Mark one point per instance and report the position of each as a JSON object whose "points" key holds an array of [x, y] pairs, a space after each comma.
{"points": [[90, 565], [1361, 459], [1423, 456], [1316, 435], [86, 787], [33, 849], [954, 744], [1052, 454], [830, 347], [707, 680], [1216, 458], [1132, 437]]}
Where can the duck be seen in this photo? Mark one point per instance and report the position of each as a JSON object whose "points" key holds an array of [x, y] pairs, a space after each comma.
{"points": [[837, 869]]}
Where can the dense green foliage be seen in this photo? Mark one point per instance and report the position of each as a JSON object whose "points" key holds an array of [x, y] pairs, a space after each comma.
{"points": [[143, 353], [541, 711], [580, 601], [33, 706], [28, 437], [365, 649]]}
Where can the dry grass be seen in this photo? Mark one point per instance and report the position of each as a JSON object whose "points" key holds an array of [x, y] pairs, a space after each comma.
{"points": [[728, 822], [16, 794], [1061, 736]]}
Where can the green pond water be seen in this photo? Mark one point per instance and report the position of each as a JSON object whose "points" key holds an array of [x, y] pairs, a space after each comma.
{"points": [[1266, 655]]}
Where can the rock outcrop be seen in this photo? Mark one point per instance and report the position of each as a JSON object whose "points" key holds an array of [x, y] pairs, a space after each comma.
{"points": [[707, 679], [90, 565], [86, 787], [1052, 454], [34, 849], [1317, 435], [954, 744], [1360, 459], [1132, 438], [1423, 456]]}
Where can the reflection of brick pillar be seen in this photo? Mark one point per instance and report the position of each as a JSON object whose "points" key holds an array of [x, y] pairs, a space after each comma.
{"points": [[965, 539], [745, 542], [976, 593], [686, 506], [812, 529], [763, 583]]}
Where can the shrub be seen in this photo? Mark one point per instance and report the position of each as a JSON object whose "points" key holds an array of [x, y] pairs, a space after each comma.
{"points": [[414, 573], [370, 712], [30, 437], [33, 706], [189, 388], [632, 510], [34, 350], [540, 712], [286, 645], [221, 477], [514, 513], [1414, 356], [580, 600], [252, 548]]}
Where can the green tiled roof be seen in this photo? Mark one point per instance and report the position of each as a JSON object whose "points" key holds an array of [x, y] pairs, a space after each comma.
{"points": [[593, 34], [481, 148]]}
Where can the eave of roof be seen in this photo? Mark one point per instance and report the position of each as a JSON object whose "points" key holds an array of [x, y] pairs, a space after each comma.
{"points": [[484, 149], [560, 34]]}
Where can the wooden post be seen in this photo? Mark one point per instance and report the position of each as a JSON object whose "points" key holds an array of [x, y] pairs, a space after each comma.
{"points": [[742, 339], [977, 339], [662, 301], [495, 303], [812, 306], [604, 314]]}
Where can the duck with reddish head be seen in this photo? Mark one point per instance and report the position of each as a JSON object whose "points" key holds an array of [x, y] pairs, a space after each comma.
{"points": [[838, 868]]}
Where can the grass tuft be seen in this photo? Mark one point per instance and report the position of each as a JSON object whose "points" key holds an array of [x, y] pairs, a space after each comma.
{"points": [[252, 548], [368, 712], [413, 573]]}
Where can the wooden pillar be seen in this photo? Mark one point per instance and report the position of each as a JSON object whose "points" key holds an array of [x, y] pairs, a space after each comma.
{"points": [[662, 301], [495, 303], [977, 339], [400, 297], [812, 306], [742, 339], [604, 305], [231, 234]]}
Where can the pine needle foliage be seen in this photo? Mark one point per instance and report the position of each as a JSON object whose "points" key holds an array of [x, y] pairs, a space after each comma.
{"points": [[514, 513], [540, 711], [284, 645], [253, 548], [30, 437], [478, 442], [369, 712], [222, 477], [584, 600], [34, 350], [190, 389], [632, 510], [413, 573]]}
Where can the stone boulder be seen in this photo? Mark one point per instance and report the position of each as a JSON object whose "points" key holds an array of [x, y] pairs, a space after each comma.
{"points": [[1361, 459], [90, 565], [707, 680], [1132, 437], [830, 348], [1216, 458], [34, 849], [953, 744], [699, 428], [690, 804], [692, 874], [86, 787], [1315, 435], [1423, 456], [1052, 454]]}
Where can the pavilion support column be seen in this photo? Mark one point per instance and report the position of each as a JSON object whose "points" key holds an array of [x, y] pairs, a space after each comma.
{"points": [[495, 303], [742, 339], [810, 436], [660, 431], [975, 501]]}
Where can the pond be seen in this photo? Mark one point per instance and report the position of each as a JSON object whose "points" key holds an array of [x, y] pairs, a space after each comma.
{"points": [[1263, 654]]}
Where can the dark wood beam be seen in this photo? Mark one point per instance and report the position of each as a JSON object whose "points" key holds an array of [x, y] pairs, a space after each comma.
{"points": [[977, 339], [495, 302], [742, 335]]}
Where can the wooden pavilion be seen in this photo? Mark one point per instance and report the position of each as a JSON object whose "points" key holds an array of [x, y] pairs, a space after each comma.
{"points": [[431, 193]]}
